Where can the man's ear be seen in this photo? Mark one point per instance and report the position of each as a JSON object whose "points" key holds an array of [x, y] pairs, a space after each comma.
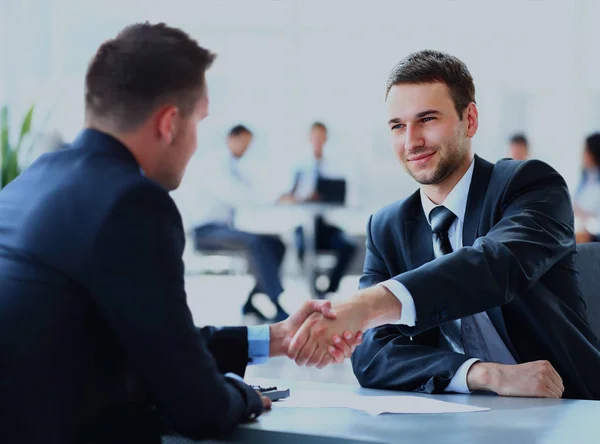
{"points": [[166, 123], [472, 116]]}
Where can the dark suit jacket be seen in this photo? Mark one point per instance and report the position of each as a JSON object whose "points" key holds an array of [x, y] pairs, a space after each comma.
{"points": [[94, 324], [517, 264]]}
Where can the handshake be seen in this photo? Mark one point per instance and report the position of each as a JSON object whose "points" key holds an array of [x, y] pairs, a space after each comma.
{"points": [[316, 335]]}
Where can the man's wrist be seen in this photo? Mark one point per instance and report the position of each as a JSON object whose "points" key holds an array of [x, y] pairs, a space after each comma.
{"points": [[379, 305], [481, 376], [277, 339]]}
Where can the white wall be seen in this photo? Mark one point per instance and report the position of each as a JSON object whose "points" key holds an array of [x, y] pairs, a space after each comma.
{"points": [[283, 64]]}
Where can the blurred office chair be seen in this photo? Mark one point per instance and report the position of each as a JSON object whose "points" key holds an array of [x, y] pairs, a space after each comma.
{"points": [[212, 261], [587, 263]]}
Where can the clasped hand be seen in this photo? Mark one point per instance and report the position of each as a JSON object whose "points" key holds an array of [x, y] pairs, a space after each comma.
{"points": [[326, 337]]}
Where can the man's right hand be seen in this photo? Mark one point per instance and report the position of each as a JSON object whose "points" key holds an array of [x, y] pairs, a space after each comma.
{"points": [[368, 308], [533, 379]]}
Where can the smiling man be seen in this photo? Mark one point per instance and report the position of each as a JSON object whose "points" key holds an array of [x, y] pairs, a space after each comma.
{"points": [[469, 283]]}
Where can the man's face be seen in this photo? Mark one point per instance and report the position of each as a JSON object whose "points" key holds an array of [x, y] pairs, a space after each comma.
{"points": [[517, 151], [318, 137], [588, 160], [427, 135], [184, 144], [238, 145]]}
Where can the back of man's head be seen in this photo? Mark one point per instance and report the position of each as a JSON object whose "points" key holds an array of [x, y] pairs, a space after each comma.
{"points": [[143, 67]]}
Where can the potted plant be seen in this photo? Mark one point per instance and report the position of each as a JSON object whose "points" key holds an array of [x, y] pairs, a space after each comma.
{"points": [[10, 166]]}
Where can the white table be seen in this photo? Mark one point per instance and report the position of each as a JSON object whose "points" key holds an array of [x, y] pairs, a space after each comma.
{"points": [[510, 421]]}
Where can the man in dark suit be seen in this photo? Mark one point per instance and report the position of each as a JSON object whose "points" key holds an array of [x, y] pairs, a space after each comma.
{"points": [[469, 284], [97, 341]]}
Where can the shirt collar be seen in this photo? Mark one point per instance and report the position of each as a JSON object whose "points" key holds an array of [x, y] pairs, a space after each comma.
{"points": [[232, 161], [456, 201]]}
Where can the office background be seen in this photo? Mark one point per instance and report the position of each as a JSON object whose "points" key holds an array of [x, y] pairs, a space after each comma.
{"points": [[283, 64]]}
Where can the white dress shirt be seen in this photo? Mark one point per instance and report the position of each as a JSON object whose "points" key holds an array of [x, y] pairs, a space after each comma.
{"points": [[587, 196], [456, 202], [221, 185], [587, 199]]}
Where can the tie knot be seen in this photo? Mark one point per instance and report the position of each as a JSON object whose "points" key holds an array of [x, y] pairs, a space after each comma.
{"points": [[440, 219]]}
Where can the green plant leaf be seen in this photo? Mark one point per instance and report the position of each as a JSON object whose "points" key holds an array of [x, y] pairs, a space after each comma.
{"points": [[4, 147], [4, 131], [25, 127], [12, 167]]}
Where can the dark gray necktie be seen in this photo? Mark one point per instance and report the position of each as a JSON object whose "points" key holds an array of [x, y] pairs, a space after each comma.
{"points": [[465, 335], [441, 218]]}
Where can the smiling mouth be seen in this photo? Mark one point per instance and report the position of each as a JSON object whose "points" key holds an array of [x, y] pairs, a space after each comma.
{"points": [[421, 157]]}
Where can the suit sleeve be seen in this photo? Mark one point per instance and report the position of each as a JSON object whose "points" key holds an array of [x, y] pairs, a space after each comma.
{"points": [[137, 285], [229, 348], [533, 232], [390, 360]]}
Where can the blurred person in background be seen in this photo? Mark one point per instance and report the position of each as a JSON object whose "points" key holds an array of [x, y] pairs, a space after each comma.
{"points": [[98, 342], [304, 189], [225, 187], [586, 201], [518, 147]]}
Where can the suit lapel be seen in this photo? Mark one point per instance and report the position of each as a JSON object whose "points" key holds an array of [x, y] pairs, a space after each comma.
{"points": [[479, 184], [477, 190]]}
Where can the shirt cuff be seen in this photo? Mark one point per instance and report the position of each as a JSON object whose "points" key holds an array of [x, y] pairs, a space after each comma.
{"points": [[259, 339], [458, 383], [409, 313], [234, 376]]}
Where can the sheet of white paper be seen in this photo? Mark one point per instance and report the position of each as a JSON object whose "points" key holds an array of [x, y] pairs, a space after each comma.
{"points": [[374, 405]]}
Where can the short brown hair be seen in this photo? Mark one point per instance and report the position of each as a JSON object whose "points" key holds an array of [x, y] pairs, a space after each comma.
{"points": [[142, 67], [238, 130], [318, 125], [592, 146], [519, 139], [429, 66]]}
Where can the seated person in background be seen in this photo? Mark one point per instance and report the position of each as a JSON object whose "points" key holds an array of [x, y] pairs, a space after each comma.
{"points": [[518, 147], [470, 282], [226, 187], [327, 236], [586, 201], [97, 340]]}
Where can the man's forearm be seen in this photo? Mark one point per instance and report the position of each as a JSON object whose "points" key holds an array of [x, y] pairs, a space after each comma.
{"points": [[371, 308], [381, 306]]}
